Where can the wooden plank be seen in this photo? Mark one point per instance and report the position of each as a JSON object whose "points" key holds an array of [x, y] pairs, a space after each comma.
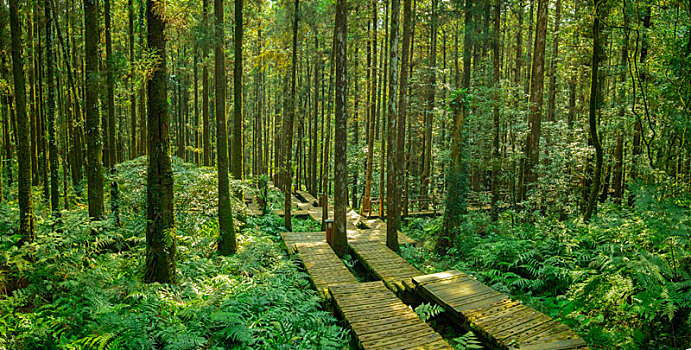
{"points": [[480, 303], [379, 319], [559, 345], [505, 322], [410, 341]]}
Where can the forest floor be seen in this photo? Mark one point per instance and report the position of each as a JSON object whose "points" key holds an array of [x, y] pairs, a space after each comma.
{"points": [[83, 289], [621, 282]]}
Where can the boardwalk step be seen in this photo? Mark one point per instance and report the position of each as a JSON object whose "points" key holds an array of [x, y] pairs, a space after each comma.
{"points": [[505, 322], [380, 320]]}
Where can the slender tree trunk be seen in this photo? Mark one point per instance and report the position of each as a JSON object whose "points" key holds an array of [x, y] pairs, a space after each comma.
{"points": [[288, 127], [356, 130], [429, 114], [367, 195], [94, 167], [340, 239], [317, 63], [532, 144], [593, 109], [237, 149], [618, 172], [143, 94], [160, 230], [50, 114], [496, 155], [519, 44], [551, 103], [392, 202], [26, 212], [457, 177], [113, 158], [227, 244], [133, 96]]}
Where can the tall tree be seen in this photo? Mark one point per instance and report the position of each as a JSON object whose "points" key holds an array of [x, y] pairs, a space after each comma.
{"points": [[50, 113], [94, 169], [110, 104], [537, 77], [393, 203], [400, 161], [429, 114], [26, 211], [288, 127], [369, 167], [206, 131], [496, 155], [456, 174], [594, 106], [227, 244], [133, 95], [340, 238], [160, 228], [551, 102], [237, 161]]}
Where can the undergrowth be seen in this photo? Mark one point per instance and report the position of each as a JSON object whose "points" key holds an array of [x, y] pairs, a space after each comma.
{"points": [[624, 281], [79, 285]]}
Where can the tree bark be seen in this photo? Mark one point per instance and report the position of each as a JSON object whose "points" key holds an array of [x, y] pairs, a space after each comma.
{"points": [[132, 93], [160, 230], [393, 203], [429, 114], [367, 191], [227, 244], [340, 240], [50, 114], [551, 102], [456, 176], [26, 212], [237, 161], [593, 109], [94, 169], [537, 77], [496, 156]]}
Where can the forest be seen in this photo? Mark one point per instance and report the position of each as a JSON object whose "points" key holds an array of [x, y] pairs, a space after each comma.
{"points": [[345, 174]]}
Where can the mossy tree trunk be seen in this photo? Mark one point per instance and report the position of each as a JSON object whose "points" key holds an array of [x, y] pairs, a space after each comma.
{"points": [[160, 230]]}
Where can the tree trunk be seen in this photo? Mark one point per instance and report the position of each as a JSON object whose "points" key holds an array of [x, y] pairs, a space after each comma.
{"points": [[551, 103], [400, 161], [317, 63], [496, 161], [537, 75], [160, 229], [429, 114], [367, 191], [94, 169], [593, 109], [237, 149], [113, 157], [456, 176], [50, 114], [288, 127], [133, 96], [392, 203], [205, 96], [340, 239], [227, 244], [26, 212]]}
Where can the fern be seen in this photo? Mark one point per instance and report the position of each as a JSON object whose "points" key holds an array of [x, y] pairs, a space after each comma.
{"points": [[467, 341], [428, 311]]}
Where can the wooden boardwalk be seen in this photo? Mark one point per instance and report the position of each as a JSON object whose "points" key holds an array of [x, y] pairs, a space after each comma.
{"points": [[499, 319], [385, 264], [380, 320], [323, 266]]}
